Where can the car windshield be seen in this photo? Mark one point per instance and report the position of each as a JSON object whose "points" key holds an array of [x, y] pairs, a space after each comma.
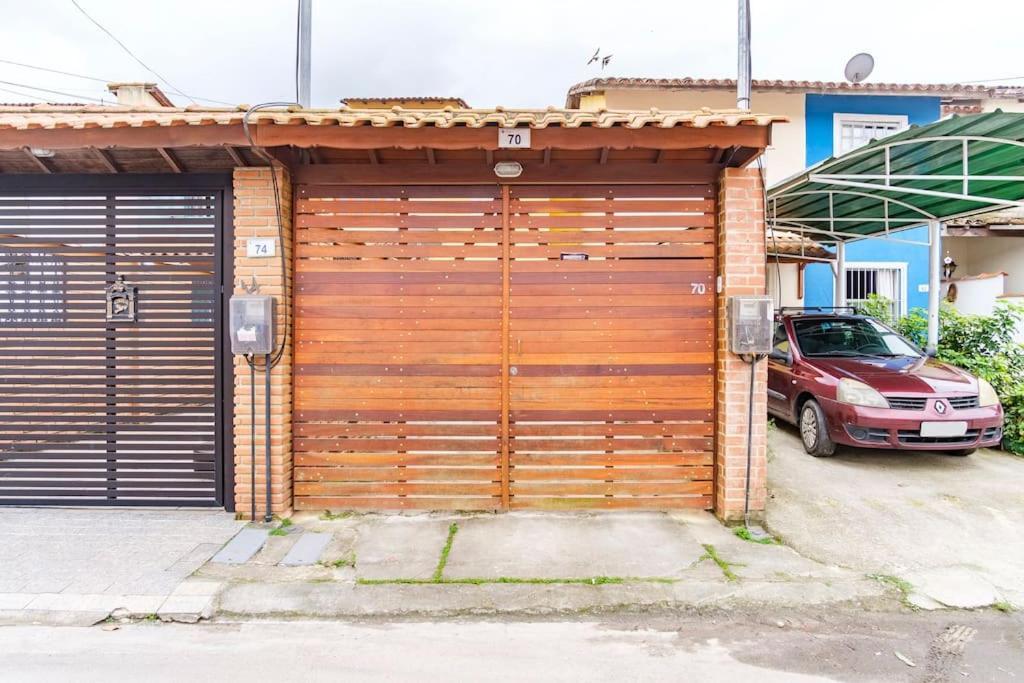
{"points": [[850, 337]]}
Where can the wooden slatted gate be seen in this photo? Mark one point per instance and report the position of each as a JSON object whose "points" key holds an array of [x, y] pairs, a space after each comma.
{"points": [[95, 412], [489, 347]]}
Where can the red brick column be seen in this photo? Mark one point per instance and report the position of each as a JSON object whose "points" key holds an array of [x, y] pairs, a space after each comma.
{"points": [[255, 216], [741, 266]]}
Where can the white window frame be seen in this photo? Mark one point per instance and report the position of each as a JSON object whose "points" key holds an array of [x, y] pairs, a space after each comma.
{"points": [[884, 265], [839, 118]]}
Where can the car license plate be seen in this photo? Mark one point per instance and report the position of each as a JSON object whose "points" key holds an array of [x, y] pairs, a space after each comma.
{"points": [[943, 428]]}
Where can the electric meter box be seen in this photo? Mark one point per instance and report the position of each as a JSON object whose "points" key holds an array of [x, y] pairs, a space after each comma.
{"points": [[252, 324], [751, 324]]}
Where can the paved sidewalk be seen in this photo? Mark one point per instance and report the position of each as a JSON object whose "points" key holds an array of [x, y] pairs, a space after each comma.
{"points": [[945, 529], [74, 565], [522, 563]]}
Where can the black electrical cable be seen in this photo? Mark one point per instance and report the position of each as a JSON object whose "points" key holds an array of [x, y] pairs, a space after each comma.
{"points": [[754, 359], [267, 517], [280, 223], [252, 436], [770, 229]]}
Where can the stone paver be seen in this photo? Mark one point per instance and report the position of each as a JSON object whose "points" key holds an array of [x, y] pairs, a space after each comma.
{"points": [[98, 560], [242, 547], [307, 549]]}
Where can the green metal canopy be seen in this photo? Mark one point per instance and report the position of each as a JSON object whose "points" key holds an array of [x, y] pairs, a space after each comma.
{"points": [[949, 169]]}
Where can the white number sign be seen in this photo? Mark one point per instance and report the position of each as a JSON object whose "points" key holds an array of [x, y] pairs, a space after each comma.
{"points": [[513, 138], [260, 247], [698, 288]]}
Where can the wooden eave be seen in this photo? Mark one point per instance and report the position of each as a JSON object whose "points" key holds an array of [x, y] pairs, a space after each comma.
{"points": [[215, 147]]}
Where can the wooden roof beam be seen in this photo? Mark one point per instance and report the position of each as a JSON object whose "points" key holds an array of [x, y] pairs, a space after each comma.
{"points": [[431, 158], [236, 155], [603, 159], [171, 159], [42, 164], [547, 157], [372, 155], [104, 158]]}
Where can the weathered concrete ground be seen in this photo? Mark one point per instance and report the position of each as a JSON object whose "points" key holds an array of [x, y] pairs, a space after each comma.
{"points": [[755, 645], [950, 527], [79, 565], [524, 563]]}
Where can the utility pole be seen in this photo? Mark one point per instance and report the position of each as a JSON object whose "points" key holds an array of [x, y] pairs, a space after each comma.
{"points": [[302, 56], [743, 53]]}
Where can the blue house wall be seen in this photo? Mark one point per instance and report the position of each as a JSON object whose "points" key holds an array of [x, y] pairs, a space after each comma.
{"points": [[820, 113]]}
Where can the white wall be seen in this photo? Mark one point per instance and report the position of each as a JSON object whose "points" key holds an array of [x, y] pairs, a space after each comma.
{"points": [[788, 275], [787, 153], [977, 255]]}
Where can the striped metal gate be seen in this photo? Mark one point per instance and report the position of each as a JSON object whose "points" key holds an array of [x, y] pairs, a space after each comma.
{"points": [[497, 347], [96, 410]]}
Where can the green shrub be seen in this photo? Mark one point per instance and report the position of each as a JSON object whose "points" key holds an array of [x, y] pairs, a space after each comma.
{"points": [[877, 307], [980, 344]]}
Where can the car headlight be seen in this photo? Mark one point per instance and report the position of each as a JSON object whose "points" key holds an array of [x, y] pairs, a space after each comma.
{"points": [[859, 394], [987, 396]]}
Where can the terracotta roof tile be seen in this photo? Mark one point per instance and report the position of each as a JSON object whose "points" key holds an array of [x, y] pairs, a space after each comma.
{"points": [[77, 117], [786, 243], [687, 83]]}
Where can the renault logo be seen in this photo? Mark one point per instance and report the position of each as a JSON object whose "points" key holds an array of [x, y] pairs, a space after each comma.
{"points": [[940, 407]]}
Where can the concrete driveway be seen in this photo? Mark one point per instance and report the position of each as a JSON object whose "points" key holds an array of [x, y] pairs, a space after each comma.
{"points": [[950, 527]]}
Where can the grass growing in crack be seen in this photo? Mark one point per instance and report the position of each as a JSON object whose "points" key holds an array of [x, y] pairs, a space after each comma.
{"points": [[1004, 607], [442, 562], [586, 581], [902, 585], [744, 533], [348, 560], [711, 554], [282, 528], [329, 516]]}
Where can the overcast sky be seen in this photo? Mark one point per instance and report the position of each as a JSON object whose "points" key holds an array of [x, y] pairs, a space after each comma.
{"points": [[522, 53]]}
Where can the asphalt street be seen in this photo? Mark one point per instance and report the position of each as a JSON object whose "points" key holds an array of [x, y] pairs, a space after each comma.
{"points": [[717, 646]]}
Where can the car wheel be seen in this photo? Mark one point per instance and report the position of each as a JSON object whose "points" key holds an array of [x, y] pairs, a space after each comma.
{"points": [[814, 430], [962, 453]]}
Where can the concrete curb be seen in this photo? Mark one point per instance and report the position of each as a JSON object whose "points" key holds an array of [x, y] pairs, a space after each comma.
{"points": [[346, 599]]}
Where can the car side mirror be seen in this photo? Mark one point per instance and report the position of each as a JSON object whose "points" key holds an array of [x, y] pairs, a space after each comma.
{"points": [[780, 356]]}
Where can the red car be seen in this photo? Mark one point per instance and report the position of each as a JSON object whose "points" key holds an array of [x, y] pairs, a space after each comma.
{"points": [[850, 380]]}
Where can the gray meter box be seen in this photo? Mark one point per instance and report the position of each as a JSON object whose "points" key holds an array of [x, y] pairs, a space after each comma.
{"points": [[751, 325], [252, 324]]}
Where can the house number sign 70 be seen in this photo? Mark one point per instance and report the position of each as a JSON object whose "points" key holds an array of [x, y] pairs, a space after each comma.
{"points": [[698, 288]]}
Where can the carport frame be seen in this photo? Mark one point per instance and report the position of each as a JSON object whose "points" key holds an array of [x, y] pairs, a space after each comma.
{"points": [[922, 176]]}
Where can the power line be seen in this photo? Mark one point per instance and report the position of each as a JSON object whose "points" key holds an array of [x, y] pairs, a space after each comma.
{"points": [[55, 71], [142, 63], [990, 80], [54, 92]]}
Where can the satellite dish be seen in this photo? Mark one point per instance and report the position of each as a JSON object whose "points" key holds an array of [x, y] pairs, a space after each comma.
{"points": [[859, 67]]}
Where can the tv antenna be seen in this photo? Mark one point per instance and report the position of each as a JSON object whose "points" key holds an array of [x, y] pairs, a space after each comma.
{"points": [[859, 67]]}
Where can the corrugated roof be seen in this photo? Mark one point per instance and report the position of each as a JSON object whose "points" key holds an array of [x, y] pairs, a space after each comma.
{"points": [[97, 116], [907, 179], [687, 83]]}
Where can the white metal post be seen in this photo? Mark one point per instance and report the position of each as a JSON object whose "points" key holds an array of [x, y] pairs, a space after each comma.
{"points": [[840, 289], [743, 55], [303, 50], [934, 283]]}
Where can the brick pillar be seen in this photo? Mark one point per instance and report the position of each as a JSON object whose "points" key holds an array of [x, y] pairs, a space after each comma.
{"points": [[255, 216], [741, 265]]}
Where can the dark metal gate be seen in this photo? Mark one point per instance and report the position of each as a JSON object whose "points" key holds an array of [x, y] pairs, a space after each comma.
{"points": [[100, 405]]}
